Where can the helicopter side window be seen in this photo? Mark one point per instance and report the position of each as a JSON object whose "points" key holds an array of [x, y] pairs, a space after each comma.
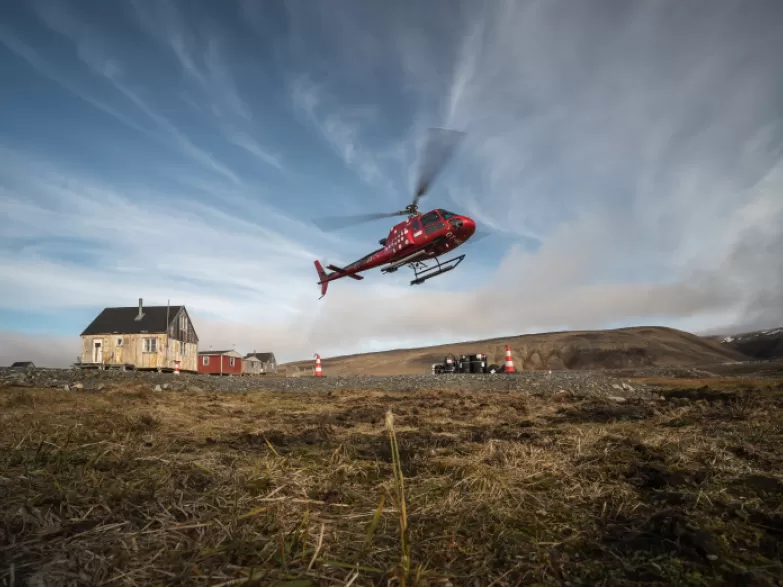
{"points": [[415, 225], [429, 218], [446, 214], [434, 227]]}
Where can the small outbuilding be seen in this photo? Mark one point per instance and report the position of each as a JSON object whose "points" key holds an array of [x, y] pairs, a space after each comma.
{"points": [[23, 365], [220, 363], [251, 365], [267, 364]]}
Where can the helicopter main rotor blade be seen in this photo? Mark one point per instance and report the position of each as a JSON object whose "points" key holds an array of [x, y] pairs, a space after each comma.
{"points": [[329, 223], [440, 146]]}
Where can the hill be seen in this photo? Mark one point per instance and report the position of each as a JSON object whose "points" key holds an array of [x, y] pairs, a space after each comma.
{"points": [[589, 349], [758, 344]]}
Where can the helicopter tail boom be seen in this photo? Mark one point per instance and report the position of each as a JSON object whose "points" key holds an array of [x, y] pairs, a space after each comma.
{"points": [[324, 278]]}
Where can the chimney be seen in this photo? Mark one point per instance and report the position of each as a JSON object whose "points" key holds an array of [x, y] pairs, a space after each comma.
{"points": [[140, 314]]}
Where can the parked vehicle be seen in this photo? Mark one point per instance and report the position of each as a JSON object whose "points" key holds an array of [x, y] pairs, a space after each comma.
{"points": [[475, 363]]}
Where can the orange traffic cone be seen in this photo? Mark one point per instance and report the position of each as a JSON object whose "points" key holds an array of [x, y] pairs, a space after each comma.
{"points": [[318, 372], [509, 362]]}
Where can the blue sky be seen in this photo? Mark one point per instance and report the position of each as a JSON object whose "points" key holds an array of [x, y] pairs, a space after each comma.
{"points": [[626, 158]]}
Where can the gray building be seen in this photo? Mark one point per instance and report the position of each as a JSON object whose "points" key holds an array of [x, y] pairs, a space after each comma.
{"points": [[260, 363]]}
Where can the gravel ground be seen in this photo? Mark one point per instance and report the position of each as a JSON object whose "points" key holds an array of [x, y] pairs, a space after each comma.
{"points": [[578, 383]]}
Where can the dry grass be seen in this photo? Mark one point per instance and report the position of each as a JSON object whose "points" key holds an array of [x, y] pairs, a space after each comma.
{"points": [[136, 488]]}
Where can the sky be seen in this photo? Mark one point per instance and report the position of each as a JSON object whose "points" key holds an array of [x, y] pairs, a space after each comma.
{"points": [[626, 159]]}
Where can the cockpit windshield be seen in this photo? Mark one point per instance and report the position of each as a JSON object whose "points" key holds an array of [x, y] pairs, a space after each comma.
{"points": [[446, 214]]}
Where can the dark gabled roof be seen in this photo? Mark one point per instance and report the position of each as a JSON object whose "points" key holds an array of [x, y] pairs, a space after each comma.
{"points": [[23, 364], [265, 357], [217, 352], [123, 320]]}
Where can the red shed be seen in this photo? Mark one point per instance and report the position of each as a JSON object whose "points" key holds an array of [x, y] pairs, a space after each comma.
{"points": [[220, 362]]}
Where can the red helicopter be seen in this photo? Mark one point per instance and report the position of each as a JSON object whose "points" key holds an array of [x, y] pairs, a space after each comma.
{"points": [[421, 237]]}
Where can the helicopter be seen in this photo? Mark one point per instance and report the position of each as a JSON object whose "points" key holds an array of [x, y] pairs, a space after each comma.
{"points": [[418, 239]]}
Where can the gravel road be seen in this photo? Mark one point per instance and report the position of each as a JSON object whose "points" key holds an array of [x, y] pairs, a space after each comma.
{"points": [[579, 383]]}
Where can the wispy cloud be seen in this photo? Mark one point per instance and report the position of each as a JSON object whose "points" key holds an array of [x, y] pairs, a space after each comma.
{"points": [[23, 50], [201, 53], [91, 49], [341, 126], [168, 245]]}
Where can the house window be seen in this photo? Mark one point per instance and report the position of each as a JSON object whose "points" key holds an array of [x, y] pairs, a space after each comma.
{"points": [[205, 361], [119, 341], [150, 345], [231, 361], [183, 322]]}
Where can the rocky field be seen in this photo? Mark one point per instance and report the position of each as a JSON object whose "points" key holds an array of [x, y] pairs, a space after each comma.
{"points": [[653, 477], [579, 383]]}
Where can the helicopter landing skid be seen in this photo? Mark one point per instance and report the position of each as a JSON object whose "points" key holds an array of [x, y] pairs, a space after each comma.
{"points": [[439, 269]]}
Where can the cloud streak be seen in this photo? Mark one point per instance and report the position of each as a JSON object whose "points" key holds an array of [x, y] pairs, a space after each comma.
{"points": [[140, 242]]}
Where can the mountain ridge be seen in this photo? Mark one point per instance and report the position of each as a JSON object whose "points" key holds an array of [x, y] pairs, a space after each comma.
{"points": [[755, 344], [634, 346]]}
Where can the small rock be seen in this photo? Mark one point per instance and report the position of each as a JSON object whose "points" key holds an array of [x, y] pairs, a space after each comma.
{"points": [[617, 399], [20, 383], [77, 385], [158, 388]]}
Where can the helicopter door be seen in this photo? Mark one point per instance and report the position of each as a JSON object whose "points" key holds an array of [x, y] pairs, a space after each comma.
{"points": [[416, 231]]}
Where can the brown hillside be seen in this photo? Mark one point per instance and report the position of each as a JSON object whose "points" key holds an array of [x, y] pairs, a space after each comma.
{"points": [[596, 349], [759, 344]]}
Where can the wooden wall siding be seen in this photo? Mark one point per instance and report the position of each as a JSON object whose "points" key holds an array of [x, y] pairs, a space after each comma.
{"points": [[184, 352], [252, 367], [176, 332], [131, 351], [221, 365]]}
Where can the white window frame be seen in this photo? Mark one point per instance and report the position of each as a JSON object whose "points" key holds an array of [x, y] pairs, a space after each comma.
{"points": [[205, 360], [119, 341], [231, 361], [149, 344]]}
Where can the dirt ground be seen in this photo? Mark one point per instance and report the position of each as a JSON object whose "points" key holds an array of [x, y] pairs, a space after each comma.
{"points": [[133, 487]]}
